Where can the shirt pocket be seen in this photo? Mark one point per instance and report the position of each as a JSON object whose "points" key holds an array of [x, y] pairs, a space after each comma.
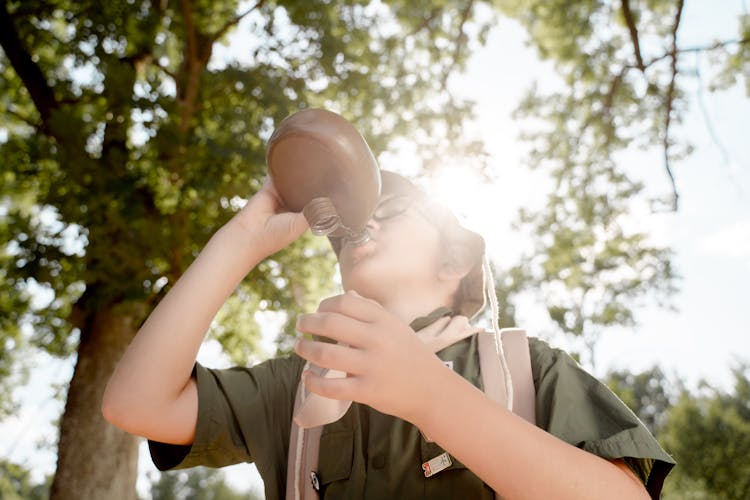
{"points": [[335, 459]]}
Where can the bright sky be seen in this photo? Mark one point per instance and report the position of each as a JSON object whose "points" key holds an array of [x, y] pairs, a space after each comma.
{"points": [[710, 234]]}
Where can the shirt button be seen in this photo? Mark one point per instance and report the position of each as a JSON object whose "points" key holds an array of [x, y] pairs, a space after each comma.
{"points": [[378, 461]]}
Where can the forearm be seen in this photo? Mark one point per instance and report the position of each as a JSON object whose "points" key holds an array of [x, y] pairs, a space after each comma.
{"points": [[157, 366], [515, 458], [390, 369]]}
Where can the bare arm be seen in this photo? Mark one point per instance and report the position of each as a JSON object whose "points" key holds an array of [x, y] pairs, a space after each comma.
{"points": [[513, 456], [151, 392], [390, 369]]}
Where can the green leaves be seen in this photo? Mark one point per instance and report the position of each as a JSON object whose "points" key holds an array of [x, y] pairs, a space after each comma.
{"points": [[650, 394], [706, 431], [139, 142], [620, 86], [16, 483], [709, 436], [198, 483], [591, 266]]}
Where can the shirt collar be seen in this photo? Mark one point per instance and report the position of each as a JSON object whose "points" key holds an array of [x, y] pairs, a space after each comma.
{"points": [[425, 321]]}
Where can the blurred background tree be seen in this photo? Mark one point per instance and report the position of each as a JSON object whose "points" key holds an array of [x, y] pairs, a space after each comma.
{"points": [[623, 75], [706, 430], [709, 433], [127, 142], [649, 394], [199, 483], [16, 483], [127, 145]]}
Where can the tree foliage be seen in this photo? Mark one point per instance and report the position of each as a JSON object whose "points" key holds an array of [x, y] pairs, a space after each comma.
{"points": [[650, 394], [199, 483], [622, 79], [128, 139], [137, 142], [707, 430], [130, 133], [709, 435], [623, 75], [16, 483]]}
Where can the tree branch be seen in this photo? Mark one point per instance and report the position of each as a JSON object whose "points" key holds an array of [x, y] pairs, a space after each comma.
{"points": [[714, 46], [30, 74], [725, 160], [188, 94], [426, 21], [669, 103], [460, 40], [609, 100], [704, 48], [198, 49], [234, 21], [191, 42], [628, 15], [164, 69], [28, 121]]}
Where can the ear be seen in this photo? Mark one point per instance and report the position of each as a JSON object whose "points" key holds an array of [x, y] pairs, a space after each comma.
{"points": [[458, 260]]}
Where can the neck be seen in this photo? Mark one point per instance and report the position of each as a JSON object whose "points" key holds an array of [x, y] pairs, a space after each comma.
{"points": [[408, 313], [410, 305]]}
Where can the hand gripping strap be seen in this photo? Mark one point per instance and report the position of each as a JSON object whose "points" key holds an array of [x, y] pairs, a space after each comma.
{"points": [[304, 443], [313, 410]]}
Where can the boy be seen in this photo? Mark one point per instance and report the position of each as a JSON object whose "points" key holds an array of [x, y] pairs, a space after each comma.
{"points": [[420, 268]]}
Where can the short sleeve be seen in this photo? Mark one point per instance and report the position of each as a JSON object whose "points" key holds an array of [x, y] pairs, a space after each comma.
{"points": [[577, 408], [244, 415]]}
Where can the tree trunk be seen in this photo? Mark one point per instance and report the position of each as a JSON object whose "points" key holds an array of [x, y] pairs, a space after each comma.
{"points": [[95, 460]]}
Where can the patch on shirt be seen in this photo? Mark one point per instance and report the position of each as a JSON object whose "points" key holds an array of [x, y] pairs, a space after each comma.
{"points": [[437, 464]]}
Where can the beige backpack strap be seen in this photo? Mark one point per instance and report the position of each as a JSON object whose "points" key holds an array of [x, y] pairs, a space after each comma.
{"points": [[516, 350], [516, 347], [493, 378], [304, 448]]}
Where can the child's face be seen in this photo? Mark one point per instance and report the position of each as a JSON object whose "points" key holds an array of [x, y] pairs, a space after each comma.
{"points": [[404, 252]]}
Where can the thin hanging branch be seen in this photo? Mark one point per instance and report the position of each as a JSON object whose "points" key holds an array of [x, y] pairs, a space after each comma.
{"points": [[706, 118], [630, 22], [669, 103]]}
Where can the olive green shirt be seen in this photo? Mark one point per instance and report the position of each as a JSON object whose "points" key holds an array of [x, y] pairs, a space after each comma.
{"points": [[244, 415]]}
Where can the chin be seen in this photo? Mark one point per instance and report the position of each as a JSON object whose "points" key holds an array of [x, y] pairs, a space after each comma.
{"points": [[360, 269], [365, 280]]}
